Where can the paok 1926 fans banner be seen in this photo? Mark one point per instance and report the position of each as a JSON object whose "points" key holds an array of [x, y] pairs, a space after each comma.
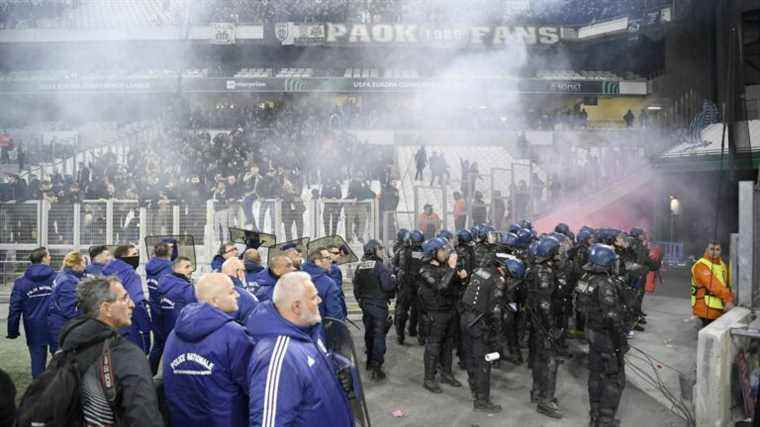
{"points": [[348, 34]]}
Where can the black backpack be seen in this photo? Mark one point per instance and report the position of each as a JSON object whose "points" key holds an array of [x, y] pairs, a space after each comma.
{"points": [[54, 398]]}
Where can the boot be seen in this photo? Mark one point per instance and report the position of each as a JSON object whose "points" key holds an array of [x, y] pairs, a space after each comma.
{"points": [[448, 378], [642, 320], [486, 406], [638, 327], [432, 386], [515, 358], [377, 373], [412, 332], [549, 408], [420, 339], [533, 396], [400, 339]]}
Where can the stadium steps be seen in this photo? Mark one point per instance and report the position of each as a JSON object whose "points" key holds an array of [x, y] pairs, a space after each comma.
{"points": [[487, 157], [606, 207]]}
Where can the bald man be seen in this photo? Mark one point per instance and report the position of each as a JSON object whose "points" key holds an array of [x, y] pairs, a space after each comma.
{"points": [[235, 270], [206, 359], [290, 358], [266, 279], [252, 261]]}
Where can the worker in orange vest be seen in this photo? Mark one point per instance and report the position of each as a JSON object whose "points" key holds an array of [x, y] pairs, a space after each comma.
{"points": [[711, 294]]}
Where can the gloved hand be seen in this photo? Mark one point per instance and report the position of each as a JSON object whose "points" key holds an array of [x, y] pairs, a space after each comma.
{"points": [[347, 382]]}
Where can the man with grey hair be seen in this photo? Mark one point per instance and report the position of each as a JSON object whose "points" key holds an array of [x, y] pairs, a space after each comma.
{"points": [[107, 307], [290, 358]]}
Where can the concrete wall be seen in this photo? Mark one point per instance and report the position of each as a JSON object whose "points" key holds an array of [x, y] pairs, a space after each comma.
{"points": [[716, 352]]}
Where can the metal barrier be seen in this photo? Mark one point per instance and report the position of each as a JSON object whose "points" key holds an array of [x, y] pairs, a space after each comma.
{"points": [[20, 223], [672, 252], [353, 219], [10, 270]]}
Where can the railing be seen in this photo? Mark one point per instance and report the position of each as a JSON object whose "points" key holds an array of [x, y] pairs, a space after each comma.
{"points": [[672, 252], [62, 227]]}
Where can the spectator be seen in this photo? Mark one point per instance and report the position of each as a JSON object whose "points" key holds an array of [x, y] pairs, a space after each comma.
{"points": [[126, 260], [644, 118], [30, 299], [499, 209], [266, 279], [388, 204], [429, 222], [207, 356], [250, 181], [318, 267], [106, 308], [479, 209], [331, 211], [555, 189], [460, 211], [267, 190], [420, 160], [63, 301], [629, 118], [226, 251], [99, 257], [292, 210], [285, 331], [357, 213]]}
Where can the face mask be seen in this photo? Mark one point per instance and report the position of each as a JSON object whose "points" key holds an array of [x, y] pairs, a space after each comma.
{"points": [[134, 261]]}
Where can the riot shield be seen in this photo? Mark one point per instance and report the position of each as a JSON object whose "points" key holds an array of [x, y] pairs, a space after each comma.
{"points": [[340, 346], [329, 242], [182, 245], [252, 239], [299, 245]]}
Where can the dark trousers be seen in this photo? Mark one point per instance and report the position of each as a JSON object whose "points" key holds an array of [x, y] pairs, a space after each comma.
{"points": [[510, 331], [606, 378], [330, 217], [460, 222], [248, 210], [476, 345], [290, 218], [375, 317], [418, 176], [438, 329], [38, 354], [407, 307], [543, 367]]}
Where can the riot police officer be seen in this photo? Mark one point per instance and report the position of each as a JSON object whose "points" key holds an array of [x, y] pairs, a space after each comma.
{"points": [[481, 322], [605, 332], [542, 283], [486, 250], [373, 288], [580, 255], [563, 296], [513, 306], [439, 278], [465, 249], [407, 302]]}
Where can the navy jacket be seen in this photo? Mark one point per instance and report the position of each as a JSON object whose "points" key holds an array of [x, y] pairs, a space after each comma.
{"points": [[265, 281], [63, 301], [206, 369], [292, 377], [30, 297], [216, 263], [154, 270], [336, 274], [246, 303], [328, 291], [251, 271], [175, 292], [94, 269], [139, 331]]}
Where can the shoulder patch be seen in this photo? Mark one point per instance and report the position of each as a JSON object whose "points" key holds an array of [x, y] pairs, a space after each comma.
{"points": [[482, 273], [418, 254]]}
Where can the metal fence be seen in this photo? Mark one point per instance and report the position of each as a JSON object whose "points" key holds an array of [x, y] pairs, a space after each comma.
{"points": [[63, 227]]}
